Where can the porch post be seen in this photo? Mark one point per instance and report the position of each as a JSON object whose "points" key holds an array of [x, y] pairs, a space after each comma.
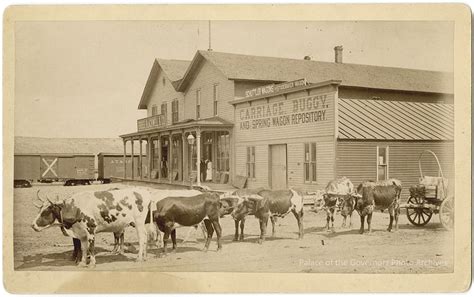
{"points": [[231, 157], [149, 156], [198, 153], [170, 157], [184, 141], [124, 158], [140, 169], [132, 162], [159, 156]]}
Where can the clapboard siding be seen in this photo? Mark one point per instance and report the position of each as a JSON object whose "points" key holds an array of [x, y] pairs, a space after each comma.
{"points": [[295, 161], [208, 76], [165, 93], [357, 160]]}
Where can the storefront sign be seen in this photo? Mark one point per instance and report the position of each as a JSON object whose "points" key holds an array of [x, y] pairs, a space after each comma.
{"points": [[269, 89], [306, 110], [151, 122]]}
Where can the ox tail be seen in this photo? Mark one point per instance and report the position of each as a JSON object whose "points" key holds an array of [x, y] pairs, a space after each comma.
{"points": [[149, 216], [398, 186]]}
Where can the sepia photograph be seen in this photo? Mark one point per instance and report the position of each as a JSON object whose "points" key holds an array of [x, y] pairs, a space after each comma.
{"points": [[306, 147]]}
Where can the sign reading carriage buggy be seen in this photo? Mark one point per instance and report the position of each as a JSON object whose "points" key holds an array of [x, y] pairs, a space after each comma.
{"points": [[305, 110]]}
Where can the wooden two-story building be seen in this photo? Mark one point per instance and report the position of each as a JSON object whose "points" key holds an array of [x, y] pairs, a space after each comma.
{"points": [[293, 122]]}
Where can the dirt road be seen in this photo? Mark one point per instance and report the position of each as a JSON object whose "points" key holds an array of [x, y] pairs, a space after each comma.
{"points": [[409, 250]]}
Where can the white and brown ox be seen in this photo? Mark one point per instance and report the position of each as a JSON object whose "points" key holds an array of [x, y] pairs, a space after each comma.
{"points": [[338, 195], [84, 214], [271, 204], [379, 195]]}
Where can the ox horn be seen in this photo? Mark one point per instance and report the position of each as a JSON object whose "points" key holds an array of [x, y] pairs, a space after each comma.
{"points": [[49, 199], [39, 198], [255, 197]]}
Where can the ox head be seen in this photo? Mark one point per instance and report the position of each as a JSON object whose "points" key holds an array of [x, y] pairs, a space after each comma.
{"points": [[319, 197], [247, 205], [49, 212], [228, 204]]}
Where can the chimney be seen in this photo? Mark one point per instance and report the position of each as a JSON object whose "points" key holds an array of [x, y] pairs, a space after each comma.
{"points": [[307, 58], [338, 54]]}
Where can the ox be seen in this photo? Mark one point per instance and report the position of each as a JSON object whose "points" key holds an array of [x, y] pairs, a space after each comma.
{"points": [[158, 195], [378, 195], [271, 204], [339, 195], [229, 203], [172, 212], [84, 214]]}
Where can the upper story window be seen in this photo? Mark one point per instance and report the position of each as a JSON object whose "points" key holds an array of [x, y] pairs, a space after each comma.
{"points": [[154, 110], [174, 111], [216, 98], [198, 104], [382, 162], [164, 81], [164, 111]]}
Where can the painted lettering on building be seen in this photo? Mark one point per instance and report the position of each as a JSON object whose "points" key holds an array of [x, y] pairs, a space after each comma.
{"points": [[274, 88], [306, 110]]}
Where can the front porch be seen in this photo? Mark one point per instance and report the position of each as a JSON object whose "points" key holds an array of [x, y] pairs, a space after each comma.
{"points": [[194, 151]]}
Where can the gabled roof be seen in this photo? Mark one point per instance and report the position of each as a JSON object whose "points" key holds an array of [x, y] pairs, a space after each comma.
{"points": [[246, 67], [395, 120], [173, 69], [67, 146]]}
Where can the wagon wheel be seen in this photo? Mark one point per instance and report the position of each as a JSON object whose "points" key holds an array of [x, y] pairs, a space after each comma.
{"points": [[418, 216], [446, 213]]}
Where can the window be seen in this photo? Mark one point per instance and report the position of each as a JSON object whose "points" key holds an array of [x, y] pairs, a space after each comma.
{"points": [[164, 81], [174, 111], [251, 162], [223, 151], [198, 104], [164, 111], [154, 110], [216, 98], [382, 162], [310, 162]]}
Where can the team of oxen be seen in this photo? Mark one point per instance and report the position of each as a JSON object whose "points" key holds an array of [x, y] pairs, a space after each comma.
{"points": [[83, 215]]}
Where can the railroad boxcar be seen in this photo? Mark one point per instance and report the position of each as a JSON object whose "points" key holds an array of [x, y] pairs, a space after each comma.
{"points": [[111, 165], [70, 169]]}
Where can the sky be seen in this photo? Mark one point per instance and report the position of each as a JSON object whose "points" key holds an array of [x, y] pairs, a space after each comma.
{"points": [[85, 78]]}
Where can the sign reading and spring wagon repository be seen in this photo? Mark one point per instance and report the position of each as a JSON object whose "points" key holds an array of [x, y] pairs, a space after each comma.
{"points": [[298, 111]]}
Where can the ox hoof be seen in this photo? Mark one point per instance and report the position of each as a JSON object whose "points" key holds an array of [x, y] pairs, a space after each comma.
{"points": [[219, 249], [235, 239], [162, 255], [260, 241], [361, 231]]}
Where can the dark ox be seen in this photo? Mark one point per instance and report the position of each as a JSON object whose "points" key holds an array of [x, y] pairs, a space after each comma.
{"points": [[271, 204], [378, 195], [172, 212], [84, 214], [229, 203]]}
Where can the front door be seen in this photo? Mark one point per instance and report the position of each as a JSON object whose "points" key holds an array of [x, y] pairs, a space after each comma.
{"points": [[278, 166]]}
